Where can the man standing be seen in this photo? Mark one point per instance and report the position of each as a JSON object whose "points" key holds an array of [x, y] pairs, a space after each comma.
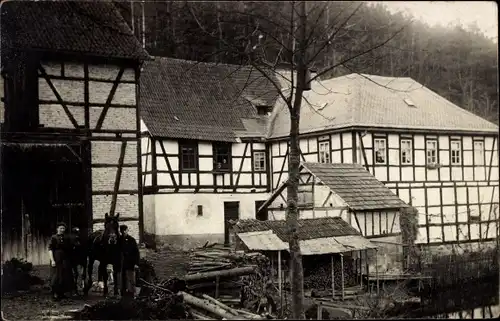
{"points": [[130, 251]]}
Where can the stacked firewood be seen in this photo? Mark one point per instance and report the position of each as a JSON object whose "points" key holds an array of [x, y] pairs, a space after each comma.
{"points": [[320, 277], [220, 284], [233, 276]]}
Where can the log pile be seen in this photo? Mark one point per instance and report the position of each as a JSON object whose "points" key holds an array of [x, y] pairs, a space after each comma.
{"points": [[246, 277]]}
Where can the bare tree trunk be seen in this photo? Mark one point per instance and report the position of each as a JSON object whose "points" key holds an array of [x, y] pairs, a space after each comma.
{"points": [[296, 270]]}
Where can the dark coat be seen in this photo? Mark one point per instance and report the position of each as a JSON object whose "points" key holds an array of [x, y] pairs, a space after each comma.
{"points": [[130, 252], [62, 275]]}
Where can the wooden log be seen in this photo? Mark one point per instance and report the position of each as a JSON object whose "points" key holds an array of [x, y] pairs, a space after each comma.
{"points": [[222, 273], [206, 305], [250, 314], [222, 305]]}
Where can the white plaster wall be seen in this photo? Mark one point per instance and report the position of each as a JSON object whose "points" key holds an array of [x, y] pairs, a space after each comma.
{"points": [[177, 214]]}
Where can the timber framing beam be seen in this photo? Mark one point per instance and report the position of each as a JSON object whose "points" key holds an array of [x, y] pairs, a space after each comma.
{"points": [[274, 195], [111, 95], [58, 96], [118, 178]]}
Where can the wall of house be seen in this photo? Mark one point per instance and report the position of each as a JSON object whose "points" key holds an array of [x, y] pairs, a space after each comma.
{"points": [[457, 202], [174, 196], [110, 94], [339, 146], [178, 223], [164, 168]]}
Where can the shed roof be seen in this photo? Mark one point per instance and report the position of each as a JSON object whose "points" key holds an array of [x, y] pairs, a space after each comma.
{"points": [[338, 244], [262, 241], [356, 186], [375, 101], [74, 27], [317, 236], [313, 228], [206, 101]]}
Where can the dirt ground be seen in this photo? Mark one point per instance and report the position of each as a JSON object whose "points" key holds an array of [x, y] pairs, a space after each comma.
{"points": [[37, 303]]}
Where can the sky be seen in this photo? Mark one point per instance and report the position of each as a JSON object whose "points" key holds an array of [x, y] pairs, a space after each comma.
{"points": [[484, 13]]}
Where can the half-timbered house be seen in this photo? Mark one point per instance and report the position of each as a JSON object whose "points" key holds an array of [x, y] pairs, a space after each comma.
{"points": [[204, 156], [70, 126], [434, 155]]}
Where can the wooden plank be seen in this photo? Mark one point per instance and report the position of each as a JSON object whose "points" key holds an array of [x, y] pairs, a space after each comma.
{"points": [[118, 178], [109, 99], [283, 165], [168, 163], [363, 151]]}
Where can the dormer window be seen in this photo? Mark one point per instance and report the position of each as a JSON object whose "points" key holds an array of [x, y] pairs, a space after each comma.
{"points": [[263, 110], [409, 102]]}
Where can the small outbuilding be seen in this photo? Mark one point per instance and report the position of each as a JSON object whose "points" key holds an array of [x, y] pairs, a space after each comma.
{"points": [[349, 192], [327, 245]]}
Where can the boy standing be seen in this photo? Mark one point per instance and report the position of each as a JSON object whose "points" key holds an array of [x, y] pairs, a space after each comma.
{"points": [[130, 252]]}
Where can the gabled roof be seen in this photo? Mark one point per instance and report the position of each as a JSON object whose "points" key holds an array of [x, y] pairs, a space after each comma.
{"points": [[313, 228], [204, 101], [94, 28], [356, 186], [366, 100]]}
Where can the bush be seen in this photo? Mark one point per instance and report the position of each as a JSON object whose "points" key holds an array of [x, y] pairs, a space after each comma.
{"points": [[16, 276]]}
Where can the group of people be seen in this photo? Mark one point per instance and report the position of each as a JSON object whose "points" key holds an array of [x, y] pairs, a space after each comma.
{"points": [[66, 251]]}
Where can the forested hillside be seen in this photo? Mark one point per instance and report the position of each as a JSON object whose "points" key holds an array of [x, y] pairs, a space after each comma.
{"points": [[459, 64]]}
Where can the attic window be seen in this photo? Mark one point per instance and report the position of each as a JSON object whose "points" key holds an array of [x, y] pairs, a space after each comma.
{"points": [[263, 110], [409, 102]]}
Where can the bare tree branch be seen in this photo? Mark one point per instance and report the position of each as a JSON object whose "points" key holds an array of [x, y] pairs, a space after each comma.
{"points": [[333, 34], [327, 69]]}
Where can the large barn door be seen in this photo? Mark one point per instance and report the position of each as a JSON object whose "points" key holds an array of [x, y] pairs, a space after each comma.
{"points": [[44, 184]]}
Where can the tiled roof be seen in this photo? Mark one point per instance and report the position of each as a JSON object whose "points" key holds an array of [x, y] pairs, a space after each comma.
{"points": [[314, 228], [205, 101], [366, 100], [93, 28], [356, 186]]}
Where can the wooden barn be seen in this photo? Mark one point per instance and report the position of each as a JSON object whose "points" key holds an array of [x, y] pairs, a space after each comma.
{"points": [[70, 148]]}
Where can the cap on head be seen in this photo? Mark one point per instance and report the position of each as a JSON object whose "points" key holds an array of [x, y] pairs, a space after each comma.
{"points": [[61, 224], [123, 228]]}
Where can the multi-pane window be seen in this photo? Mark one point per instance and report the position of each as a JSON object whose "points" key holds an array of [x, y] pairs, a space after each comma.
{"points": [[431, 151], [478, 153], [455, 152], [380, 150], [189, 157], [324, 152], [222, 156], [259, 161], [406, 151]]}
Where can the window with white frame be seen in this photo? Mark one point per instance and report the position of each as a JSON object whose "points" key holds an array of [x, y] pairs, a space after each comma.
{"points": [[259, 161], [406, 151], [380, 150], [324, 152], [455, 152], [431, 151], [478, 153]]}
